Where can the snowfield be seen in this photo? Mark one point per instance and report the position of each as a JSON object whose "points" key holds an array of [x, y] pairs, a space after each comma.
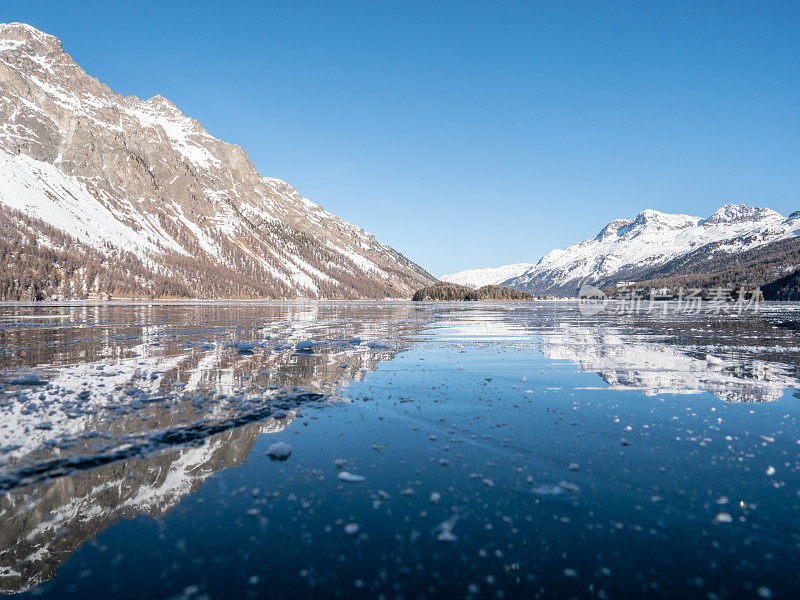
{"points": [[476, 278]]}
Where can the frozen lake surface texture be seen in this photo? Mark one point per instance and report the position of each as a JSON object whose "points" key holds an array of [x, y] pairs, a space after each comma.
{"points": [[398, 450]]}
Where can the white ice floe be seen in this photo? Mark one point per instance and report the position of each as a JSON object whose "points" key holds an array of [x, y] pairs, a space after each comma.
{"points": [[279, 451], [351, 528]]}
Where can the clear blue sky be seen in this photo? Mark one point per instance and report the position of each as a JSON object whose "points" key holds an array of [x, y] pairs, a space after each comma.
{"points": [[472, 134]]}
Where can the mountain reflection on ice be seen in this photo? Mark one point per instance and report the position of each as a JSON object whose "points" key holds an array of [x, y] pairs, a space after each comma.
{"points": [[480, 428], [44, 523], [91, 386], [656, 368], [652, 353], [154, 378]]}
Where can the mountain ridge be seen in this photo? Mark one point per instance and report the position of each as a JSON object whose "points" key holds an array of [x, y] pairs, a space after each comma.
{"points": [[634, 249], [120, 173]]}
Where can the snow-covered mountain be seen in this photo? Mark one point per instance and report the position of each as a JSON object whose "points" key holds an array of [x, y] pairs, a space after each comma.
{"points": [[635, 249], [476, 278], [140, 182]]}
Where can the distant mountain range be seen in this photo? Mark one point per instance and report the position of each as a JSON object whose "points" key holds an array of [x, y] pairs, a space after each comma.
{"points": [[476, 278], [108, 195], [737, 245]]}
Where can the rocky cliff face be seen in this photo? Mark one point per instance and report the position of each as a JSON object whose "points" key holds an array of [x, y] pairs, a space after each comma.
{"points": [[139, 179]]}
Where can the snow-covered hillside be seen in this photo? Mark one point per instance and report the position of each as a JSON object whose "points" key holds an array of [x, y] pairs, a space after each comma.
{"points": [[629, 249], [476, 278], [122, 174]]}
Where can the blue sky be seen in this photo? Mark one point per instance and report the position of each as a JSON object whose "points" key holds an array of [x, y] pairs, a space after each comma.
{"points": [[472, 134]]}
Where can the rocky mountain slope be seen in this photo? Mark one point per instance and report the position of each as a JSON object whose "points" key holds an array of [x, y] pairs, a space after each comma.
{"points": [[140, 180], [705, 269], [656, 245]]}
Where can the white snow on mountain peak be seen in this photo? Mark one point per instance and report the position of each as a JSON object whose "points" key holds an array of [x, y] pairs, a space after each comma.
{"points": [[491, 276], [24, 33], [613, 228], [651, 238], [742, 213], [659, 220]]}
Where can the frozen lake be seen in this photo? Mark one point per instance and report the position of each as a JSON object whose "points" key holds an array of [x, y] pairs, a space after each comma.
{"points": [[398, 450]]}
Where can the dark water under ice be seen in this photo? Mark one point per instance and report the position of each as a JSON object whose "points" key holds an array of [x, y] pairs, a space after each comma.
{"points": [[506, 450]]}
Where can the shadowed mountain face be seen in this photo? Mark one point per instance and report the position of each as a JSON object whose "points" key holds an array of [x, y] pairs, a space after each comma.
{"points": [[131, 186], [108, 413]]}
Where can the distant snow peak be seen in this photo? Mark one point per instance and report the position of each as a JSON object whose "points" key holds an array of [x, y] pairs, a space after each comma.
{"points": [[477, 278], [627, 249], [655, 219], [741, 213], [158, 101], [614, 228]]}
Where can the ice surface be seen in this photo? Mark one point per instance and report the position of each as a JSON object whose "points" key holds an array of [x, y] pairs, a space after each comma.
{"points": [[567, 452]]}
